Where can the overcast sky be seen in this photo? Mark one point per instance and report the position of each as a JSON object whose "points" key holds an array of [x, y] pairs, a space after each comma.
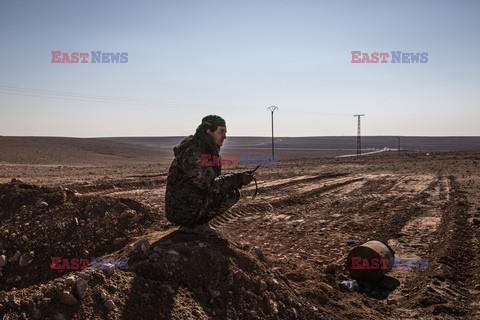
{"points": [[188, 59]]}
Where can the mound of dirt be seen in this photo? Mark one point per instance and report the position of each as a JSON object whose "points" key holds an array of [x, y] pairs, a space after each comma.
{"points": [[38, 223], [178, 277]]}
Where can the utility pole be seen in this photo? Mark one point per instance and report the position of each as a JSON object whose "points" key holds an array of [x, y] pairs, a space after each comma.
{"points": [[272, 109], [359, 139]]}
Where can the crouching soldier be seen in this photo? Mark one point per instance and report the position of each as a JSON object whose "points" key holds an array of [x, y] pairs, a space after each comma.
{"points": [[197, 193]]}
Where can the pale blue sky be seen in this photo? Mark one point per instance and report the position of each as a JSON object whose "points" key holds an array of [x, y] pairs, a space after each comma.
{"points": [[236, 58]]}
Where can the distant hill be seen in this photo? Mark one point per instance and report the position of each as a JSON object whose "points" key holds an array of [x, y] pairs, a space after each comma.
{"points": [[71, 151], [121, 150], [322, 145]]}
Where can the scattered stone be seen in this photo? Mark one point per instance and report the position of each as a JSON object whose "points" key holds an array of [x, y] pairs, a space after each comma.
{"points": [[15, 257], [259, 253], [84, 274], [143, 245], [273, 306], [245, 246], [168, 288], [392, 300], [274, 283], [108, 269], [215, 293], [36, 314], [37, 296], [59, 316], [173, 252], [331, 268], [109, 304], [25, 238], [42, 204], [81, 288], [350, 285], [70, 281], [128, 213], [263, 285], [476, 221], [293, 312], [26, 259], [3, 260], [154, 256], [103, 296], [67, 298], [17, 180]]}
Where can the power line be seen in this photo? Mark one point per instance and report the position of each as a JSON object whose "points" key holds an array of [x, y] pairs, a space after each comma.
{"points": [[75, 96], [317, 112], [359, 139], [49, 94], [272, 109]]}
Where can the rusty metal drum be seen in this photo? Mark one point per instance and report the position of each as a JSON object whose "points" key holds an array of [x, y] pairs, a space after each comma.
{"points": [[370, 261]]}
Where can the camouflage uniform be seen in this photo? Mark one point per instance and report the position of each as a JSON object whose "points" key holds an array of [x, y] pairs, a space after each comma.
{"points": [[195, 194]]}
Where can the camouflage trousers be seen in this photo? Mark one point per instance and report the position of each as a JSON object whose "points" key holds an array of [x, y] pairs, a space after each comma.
{"points": [[218, 204], [188, 214]]}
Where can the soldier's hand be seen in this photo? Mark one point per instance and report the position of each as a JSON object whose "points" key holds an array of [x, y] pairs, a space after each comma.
{"points": [[246, 178]]}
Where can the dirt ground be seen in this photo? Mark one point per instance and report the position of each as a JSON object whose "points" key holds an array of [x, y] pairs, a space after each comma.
{"points": [[278, 256]]}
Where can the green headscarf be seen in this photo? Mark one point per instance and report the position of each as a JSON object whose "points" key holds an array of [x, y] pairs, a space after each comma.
{"points": [[209, 121]]}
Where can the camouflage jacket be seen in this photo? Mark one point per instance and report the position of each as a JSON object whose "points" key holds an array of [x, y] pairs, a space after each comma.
{"points": [[191, 186]]}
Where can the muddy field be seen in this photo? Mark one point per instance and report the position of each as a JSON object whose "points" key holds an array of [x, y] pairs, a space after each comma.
{"points": [[279, 256]]}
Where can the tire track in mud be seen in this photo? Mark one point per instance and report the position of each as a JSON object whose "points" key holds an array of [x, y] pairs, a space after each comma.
{"points": [[445, 289], [374, 210], [377, 209], [150, 191], [281, 184], [270, 203], [416, 233], [286, 212]]}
